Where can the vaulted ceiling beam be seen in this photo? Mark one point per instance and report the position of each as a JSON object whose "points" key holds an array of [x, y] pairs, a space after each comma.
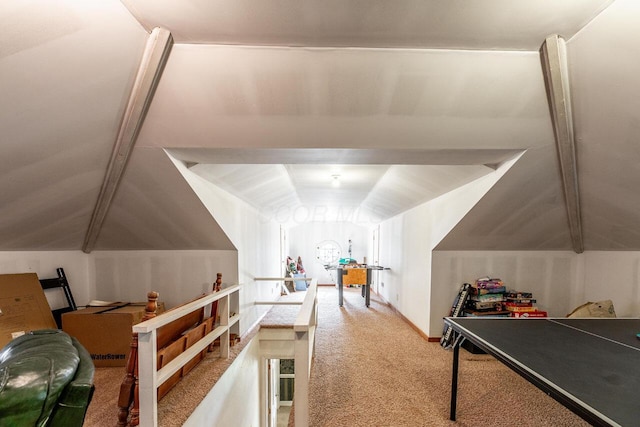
{"points": [[556, 73], [154, 58]]}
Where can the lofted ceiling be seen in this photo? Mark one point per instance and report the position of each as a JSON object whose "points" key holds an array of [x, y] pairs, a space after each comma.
{"points": [[405, 100]]}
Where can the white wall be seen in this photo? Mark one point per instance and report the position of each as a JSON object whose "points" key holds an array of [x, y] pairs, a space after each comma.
{"points": [[560, 281], [127, 275], [407, 240], [44, 264], [235, 399], [304, 240], [554, 277], [611, 275], [178, 276], [256, 238]]}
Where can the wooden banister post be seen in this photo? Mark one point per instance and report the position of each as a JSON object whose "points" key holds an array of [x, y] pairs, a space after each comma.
{"points": [[129, 387], [217, 285]]}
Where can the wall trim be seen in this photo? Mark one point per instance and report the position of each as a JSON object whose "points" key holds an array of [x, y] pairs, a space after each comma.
{"points": [[409, 322]]}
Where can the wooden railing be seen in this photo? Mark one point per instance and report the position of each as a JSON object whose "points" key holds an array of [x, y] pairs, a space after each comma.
{"points": [[150, 377]]}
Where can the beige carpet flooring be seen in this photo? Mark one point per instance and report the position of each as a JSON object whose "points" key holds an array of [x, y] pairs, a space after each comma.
{"points": [[372, 369]]}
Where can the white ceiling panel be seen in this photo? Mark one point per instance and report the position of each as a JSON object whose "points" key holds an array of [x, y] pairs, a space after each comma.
{"points": [[405, 187], [452, 24], [315, 183], [247, 97], [378, 191], [262, 186]]}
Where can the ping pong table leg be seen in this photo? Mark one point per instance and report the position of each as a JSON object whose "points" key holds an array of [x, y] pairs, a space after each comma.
{"points": [[340, 298], [454, 378]]}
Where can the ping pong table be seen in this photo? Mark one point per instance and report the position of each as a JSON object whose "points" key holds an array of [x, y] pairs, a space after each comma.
{"points": [[591, 366]]}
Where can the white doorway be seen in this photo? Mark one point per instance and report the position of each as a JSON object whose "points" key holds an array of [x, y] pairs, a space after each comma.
{"points": [[375, 252], [284, 250], [280, 388], [273, 395]]}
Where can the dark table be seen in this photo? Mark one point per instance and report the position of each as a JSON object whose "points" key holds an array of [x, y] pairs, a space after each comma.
{"points": [[366, 287], [591, 366]]}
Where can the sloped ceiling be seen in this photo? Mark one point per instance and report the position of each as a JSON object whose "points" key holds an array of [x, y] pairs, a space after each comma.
{"points": [[525, 209], [155, 207], [65, 72], [405, 90]]}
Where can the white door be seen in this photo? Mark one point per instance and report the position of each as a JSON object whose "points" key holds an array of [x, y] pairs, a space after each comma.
{"points": [[273, 369], [376, 259], [284, 250]]}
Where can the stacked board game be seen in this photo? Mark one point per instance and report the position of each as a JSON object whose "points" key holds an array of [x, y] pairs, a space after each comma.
{"points": [[486, 298], [490, 297], [522, 304]]}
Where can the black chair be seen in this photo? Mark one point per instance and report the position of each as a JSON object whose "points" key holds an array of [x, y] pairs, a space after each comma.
{"points": [[60, 282]]}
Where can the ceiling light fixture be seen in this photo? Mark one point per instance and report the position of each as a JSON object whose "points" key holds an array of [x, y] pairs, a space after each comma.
{"points": [[335, 181]]}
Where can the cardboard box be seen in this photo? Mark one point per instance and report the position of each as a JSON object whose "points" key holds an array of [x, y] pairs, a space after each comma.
{"points": [[105, 331], [23, 306]]}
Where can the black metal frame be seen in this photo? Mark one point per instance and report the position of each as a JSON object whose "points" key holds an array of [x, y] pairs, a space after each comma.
{"points": [[557, 394], [60, 282]]}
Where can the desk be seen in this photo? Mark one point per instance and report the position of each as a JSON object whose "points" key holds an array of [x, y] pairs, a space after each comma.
{"points": [[591, 366]]}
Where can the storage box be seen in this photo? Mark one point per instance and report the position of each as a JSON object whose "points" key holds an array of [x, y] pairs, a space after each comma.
{"points": [[23, 306], [105, 331]]}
